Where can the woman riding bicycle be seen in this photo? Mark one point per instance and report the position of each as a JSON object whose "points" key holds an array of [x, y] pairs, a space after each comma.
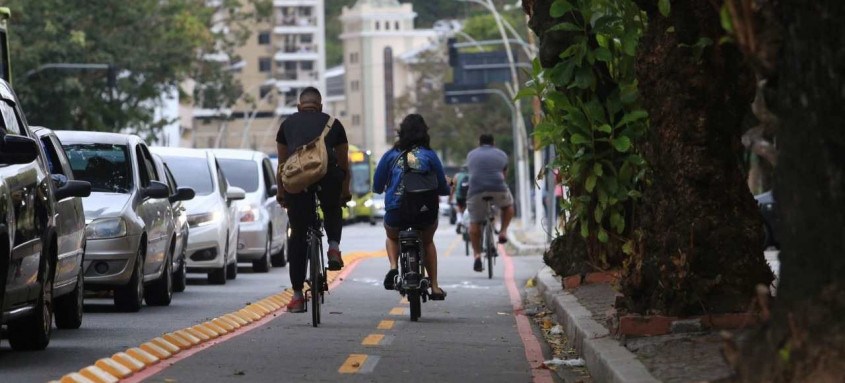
{"points": [[413, 145]]}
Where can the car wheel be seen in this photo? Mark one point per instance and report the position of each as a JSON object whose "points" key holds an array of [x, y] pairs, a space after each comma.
{"points": [[69, 307], [218, 276], [180, 277], [33, 332], [232, 271], [263, 265], [280, 259], [160, 291], [130, 297]]}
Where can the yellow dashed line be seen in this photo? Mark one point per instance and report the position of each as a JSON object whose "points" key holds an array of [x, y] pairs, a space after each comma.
{"points": [[385, 325], [452, 246], [352, 364], [124, 364], [397, 311], [372, 340]]}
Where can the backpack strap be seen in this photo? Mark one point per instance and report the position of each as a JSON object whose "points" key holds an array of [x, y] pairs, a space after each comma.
{"points": [[328, 127]]}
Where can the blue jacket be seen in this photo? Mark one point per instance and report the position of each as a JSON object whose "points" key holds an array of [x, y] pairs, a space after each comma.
{"points": [[389, 173]]}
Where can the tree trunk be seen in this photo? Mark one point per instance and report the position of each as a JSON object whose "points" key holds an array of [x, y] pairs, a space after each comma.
{"points": [[805, 341], [701, 249]]}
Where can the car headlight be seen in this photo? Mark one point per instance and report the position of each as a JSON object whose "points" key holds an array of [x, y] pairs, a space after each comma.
{"points": [[379, 204], [249, 213], [203, 219], [106, 228], [351, 203], [368, 203]]}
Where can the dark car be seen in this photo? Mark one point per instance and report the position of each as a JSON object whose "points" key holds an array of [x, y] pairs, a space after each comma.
{"points": [[28, 236], [766, 202]]}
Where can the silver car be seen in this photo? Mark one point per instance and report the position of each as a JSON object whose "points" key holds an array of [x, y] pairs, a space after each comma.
{"points": [[68, 283], [130, 227], [212, 214], [177, 197], [263, 222]]}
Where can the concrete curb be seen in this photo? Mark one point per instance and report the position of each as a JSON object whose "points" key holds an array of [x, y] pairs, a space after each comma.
{"points": [[520, 248], [605, 358]]}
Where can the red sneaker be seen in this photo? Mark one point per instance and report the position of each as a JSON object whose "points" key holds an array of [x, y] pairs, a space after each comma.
{"points": [[335, 260], [296, 305]]}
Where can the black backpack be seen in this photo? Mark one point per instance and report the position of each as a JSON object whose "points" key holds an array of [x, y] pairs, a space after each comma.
{"points": [[418, 203]]}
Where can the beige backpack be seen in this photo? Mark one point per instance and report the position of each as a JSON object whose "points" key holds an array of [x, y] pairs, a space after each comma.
{"points": [[307, 165]]}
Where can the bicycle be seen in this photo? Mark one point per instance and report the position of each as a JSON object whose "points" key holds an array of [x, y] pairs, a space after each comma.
{"points": [[489, 247], [316, 268], [411, 281]]}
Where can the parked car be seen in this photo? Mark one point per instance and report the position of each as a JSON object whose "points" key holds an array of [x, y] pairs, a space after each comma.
{"points": [[766, 202], [177, 196], [377, 204], [28, 239], [212, 214], [130, 231], [262, 235], [68, 285]]}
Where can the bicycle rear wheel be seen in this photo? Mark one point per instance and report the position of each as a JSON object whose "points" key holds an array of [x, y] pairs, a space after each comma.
{"points": [[489, 244], [416, 306], [316, 284]]}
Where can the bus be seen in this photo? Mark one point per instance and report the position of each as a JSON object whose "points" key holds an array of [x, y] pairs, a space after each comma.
{"points": [[362, 168], [5, 58]]}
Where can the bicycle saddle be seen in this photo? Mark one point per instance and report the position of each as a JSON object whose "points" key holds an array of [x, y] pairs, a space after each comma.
{"points": [[488, 199], [408, 234]]}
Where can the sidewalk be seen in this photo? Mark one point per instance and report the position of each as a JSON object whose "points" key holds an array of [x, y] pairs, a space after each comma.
{"points": [[582, 312]]}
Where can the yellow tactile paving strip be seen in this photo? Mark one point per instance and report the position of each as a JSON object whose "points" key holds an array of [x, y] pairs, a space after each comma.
{"points": [[123, 365]]}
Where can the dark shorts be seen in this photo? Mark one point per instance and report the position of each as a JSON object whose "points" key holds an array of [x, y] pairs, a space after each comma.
{"points": [[392, 220], [461, 202]]}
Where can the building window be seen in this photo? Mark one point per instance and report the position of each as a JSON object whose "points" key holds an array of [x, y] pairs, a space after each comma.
{"points": [[353, 58], [290, 66], [306, 38], [354, 85], [356, 120], [396, 24], [264, 38], [264, 90], [307, 65], [387, 25], [378, 25], [265, 64]]}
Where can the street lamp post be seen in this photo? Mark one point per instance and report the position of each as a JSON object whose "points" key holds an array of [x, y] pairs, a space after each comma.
{"points": [[520, 138]]}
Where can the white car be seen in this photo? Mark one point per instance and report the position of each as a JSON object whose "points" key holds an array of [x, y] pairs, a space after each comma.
{"points": [[263, 222], [212, 214]]}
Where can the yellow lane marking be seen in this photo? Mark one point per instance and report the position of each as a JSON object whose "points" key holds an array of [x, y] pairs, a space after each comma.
{"points": [[452, 246], [372, 340], [397, 311], [123, 364], [352, 364], [385, 325]]}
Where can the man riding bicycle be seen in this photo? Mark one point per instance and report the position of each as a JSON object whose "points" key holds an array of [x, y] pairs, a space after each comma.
{"points": [[297, 130], [488, 166], [460, 188]]}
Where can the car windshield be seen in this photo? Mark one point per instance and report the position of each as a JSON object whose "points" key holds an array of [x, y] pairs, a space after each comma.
{"points": [[105, 166], [191, 172], [240, 173]]}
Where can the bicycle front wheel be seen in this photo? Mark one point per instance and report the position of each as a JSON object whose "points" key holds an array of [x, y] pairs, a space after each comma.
{"points": [[316, 285], [416, 305]]}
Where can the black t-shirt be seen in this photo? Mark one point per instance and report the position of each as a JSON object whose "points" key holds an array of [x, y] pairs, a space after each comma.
{"points": [[303, 127]]}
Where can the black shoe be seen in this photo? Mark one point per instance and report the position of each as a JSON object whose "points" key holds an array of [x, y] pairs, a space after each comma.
{"points": [[335, 260], [390, 279], [437, 296], [478, 266]]}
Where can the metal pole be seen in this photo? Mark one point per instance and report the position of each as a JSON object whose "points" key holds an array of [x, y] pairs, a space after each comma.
{"points": [[251, 118]]}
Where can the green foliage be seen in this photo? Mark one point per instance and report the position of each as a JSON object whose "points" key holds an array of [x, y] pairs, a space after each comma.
{"points": [[593, 117], [154, 45]]}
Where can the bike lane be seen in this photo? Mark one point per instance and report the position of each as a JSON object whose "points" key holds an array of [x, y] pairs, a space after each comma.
{"points": [[366, 334]]}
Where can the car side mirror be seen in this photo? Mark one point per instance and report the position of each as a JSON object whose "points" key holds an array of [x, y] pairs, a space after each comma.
{"points": [[59, 180], [235, 194], [73, 188], [156, 190], [183, 194], [273, 191], [17, 150]]}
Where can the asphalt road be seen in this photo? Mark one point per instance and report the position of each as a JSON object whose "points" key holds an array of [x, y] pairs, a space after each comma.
{"points": [[472, 335]]}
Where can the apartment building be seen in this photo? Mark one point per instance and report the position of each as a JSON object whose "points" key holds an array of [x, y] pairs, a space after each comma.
{"points": [[281, 57], [377, 35]]}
